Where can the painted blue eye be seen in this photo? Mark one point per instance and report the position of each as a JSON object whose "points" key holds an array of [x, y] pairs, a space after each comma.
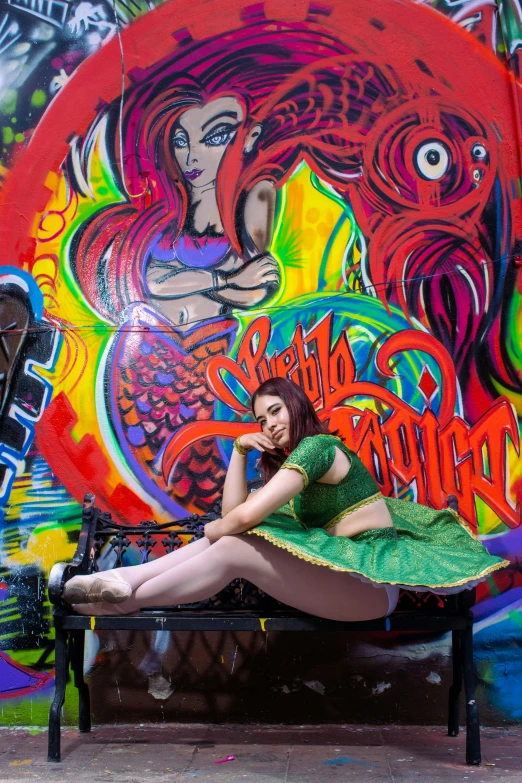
{"points": [[180, 142], [479, 152], [217, 139]]}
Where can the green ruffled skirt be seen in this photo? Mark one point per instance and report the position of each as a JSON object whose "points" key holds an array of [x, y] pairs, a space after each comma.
{"points": [[426, 550]]}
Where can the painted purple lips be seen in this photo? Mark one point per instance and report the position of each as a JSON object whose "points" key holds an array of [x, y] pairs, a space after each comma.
{"points": [[193, 174]]}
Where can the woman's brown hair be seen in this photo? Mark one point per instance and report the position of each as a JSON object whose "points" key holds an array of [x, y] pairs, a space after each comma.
{"points": [[303, 420]]}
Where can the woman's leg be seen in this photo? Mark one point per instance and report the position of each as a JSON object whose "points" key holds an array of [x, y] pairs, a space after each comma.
{"points": [[314, 589], [118, 584], [138, 574]]}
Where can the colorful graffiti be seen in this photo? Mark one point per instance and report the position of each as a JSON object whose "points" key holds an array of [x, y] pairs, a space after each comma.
{"points": [[191, 208]]}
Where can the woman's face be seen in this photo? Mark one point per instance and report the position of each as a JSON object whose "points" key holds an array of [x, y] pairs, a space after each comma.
{"points": [[201, 137], [273, 416]]}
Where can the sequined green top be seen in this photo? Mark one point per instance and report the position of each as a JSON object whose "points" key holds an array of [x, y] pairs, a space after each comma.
{"points": [[426, 549], [322, 505]]}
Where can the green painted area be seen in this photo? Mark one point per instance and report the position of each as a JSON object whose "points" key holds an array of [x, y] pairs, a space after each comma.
{"points": [[19, 137], [7, 135], [34, 710], [38, 98], [8, 101], [510, 26], [30, 657], [11, 618]]}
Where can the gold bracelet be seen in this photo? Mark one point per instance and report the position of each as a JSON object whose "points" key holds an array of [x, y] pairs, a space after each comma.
{"points": [[239, 448]]}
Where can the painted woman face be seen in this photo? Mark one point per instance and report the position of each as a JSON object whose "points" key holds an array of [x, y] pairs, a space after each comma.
{"points": [[201, 137]]}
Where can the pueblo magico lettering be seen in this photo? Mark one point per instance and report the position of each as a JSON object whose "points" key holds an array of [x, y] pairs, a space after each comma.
{"points": [[436, 455]]}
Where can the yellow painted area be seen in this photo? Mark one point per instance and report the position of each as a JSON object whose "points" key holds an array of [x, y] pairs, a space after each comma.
{"points": [[304, 229], [93, 623], [85, 334], [20, 763], [262, 621], [488, 520], [51, 180], [44, 548], [45, 267]]}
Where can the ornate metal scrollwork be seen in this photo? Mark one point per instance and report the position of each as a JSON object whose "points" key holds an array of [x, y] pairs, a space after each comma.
{"points": [[120, 543]]}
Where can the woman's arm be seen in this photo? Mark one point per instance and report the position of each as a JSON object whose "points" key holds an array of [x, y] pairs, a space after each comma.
{"points": [[315, 459], [247, 285], [255, 281], [250, 282], [235, 489], [174, 281], [285, 485]]}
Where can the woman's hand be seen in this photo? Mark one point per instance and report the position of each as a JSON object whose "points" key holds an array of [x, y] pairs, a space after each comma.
{"points": [[260, 272], [256, 440]]}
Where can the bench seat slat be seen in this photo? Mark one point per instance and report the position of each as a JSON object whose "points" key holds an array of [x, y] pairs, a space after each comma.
{"points": [[198, 621]]}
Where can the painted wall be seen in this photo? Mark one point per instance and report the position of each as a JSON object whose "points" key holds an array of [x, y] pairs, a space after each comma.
{"points": [[195, 201]]}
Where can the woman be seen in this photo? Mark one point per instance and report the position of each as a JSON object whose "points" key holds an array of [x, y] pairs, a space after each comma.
{"points": [[198, 275], [317, 536], [207, 136]]}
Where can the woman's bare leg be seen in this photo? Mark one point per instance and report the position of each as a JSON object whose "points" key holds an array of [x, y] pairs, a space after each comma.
{"points": [[138, 574], [310, 588]]}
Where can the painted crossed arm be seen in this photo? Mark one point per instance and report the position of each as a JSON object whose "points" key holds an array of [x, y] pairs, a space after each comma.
{"points": [[256, 279]]}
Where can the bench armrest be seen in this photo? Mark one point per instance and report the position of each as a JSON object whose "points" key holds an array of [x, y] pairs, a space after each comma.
{"points": [[83, 557]]}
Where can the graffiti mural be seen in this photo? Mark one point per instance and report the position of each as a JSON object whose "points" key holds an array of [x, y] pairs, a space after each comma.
{"points": [[191, 206]]}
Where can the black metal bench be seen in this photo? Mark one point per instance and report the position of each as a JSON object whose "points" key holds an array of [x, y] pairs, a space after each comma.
{"points": [[247, 609]]}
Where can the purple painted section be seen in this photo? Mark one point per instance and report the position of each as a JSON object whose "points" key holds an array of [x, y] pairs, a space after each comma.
{"points": [[19, 680], [193, 252]]}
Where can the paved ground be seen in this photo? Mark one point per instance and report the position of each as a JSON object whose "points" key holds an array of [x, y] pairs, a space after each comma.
{"points": [[182, 753]]}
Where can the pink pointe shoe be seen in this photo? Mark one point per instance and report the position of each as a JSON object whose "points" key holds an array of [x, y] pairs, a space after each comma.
{"points": [[83, 588]]}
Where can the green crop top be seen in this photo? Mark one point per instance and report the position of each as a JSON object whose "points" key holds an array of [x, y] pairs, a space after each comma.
{"points": [[323, 505]]}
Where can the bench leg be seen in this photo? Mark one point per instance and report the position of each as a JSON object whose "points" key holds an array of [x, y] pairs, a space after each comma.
{"points": [[473, 756], [77, 652], [456, 686], [61, 666]]}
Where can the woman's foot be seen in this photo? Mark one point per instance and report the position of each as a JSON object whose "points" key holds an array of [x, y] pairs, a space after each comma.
{"points": [[107, 586]]}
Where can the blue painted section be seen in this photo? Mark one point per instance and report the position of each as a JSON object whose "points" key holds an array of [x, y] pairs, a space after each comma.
{"points": [[342, 760]]}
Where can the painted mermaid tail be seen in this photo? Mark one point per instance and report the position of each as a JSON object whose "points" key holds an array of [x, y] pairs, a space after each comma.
{"points": [[157, 384]]}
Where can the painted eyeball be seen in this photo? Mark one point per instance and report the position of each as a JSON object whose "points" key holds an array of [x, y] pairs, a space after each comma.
{"points": [[479, 152], [432, 160]]}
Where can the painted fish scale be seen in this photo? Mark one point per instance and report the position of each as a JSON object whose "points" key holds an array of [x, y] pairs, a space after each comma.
{"points": [[161, 381]]}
